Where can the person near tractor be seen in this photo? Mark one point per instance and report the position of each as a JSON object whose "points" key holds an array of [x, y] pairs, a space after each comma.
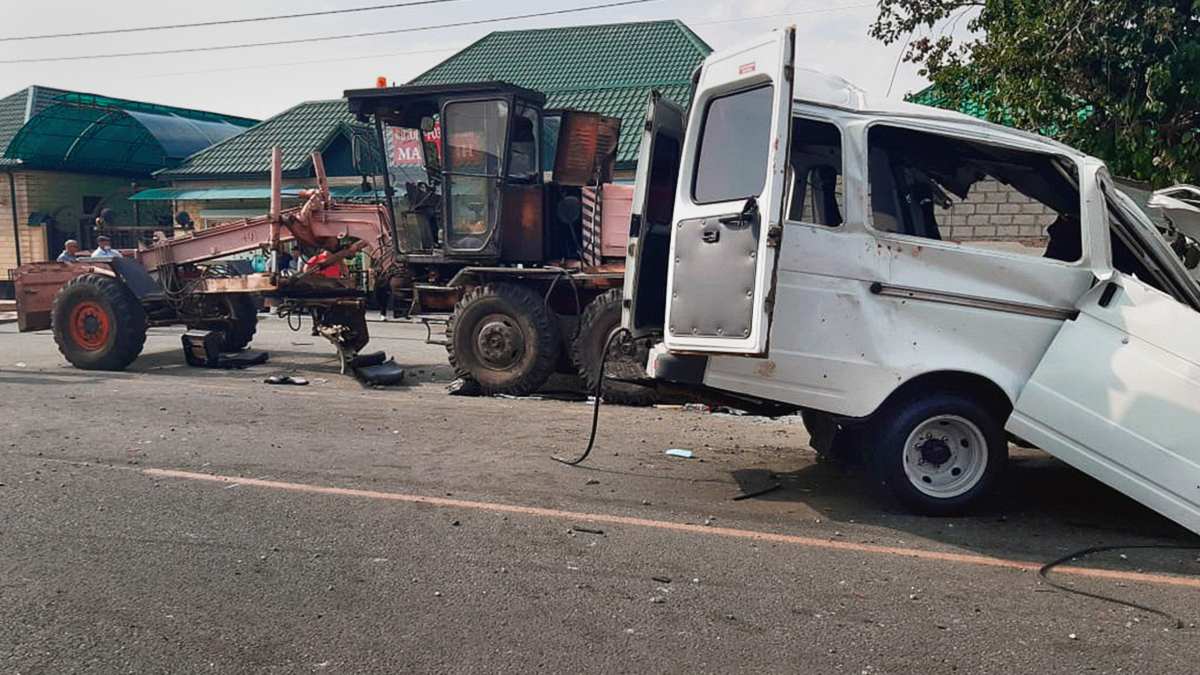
{"points": [[334, 271], [70, 252], [104, 249]]}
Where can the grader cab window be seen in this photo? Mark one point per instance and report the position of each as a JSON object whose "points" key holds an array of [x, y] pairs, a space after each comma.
{"points": [[474, 154]]}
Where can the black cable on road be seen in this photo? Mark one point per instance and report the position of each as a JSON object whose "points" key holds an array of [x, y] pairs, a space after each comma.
{"points": [[1044, 571], [327, 38], [596, 405], [227, 22]]}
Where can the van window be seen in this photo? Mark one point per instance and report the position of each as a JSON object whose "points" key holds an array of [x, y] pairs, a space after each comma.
{"points": [[936, 187], [816, 168], [735, 140]]}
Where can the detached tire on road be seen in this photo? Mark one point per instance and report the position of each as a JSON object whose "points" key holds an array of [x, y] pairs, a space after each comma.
{"points": [[505, 338], [938, 454], [601, 318], [243, 322], [98, 323]]}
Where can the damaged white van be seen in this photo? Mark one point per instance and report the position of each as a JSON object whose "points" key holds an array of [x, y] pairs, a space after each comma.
{"points": [[796, 242]]}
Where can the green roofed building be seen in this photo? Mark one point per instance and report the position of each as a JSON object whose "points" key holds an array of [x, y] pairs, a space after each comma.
{"points": [[230, 180], [66, 157], [609, 69]]}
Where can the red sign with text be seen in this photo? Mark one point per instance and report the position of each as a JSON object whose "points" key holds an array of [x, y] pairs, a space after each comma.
{"points": [[407, 149]]}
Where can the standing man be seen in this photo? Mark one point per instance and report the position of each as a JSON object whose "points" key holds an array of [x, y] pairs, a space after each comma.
{"points": [[70, 251], [104, 249]]}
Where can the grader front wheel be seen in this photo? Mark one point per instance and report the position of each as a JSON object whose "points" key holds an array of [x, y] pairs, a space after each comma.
{"points": [[98, 323]]}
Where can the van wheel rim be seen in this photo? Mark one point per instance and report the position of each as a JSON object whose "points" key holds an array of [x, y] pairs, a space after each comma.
{"points": [[945, 456]]}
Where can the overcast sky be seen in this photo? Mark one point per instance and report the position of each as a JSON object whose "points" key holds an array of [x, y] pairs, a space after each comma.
{"points": [[262, 81]]}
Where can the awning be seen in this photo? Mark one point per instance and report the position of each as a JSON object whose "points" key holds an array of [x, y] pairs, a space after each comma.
{"points": [[114, 137], [238, 193]]}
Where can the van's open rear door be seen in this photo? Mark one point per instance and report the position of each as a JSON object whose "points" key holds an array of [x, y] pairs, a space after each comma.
{"points": [[1117, 395], [650, 225], [729, 205]]}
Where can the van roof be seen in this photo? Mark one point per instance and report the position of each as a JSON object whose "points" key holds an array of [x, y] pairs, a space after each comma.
{"points": [[816, 87]]}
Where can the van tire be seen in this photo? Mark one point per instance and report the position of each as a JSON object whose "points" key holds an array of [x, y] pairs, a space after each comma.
{"points": [[503, 337], [938, 454], [98, 324]]}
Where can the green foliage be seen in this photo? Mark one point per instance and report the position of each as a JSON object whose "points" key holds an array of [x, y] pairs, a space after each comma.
{"points": [[1119, 79]]}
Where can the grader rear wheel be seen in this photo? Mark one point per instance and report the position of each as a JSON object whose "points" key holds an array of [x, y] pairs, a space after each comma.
{"points": [[601, 318], [98, 323], [503, 337]]}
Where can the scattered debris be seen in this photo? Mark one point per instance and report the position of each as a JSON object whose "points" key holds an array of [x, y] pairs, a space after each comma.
{"points": [[676, 452], [661, 580], [586, 530], [755, 493], [592, 481], [20, 364], [464, 387], [658, 599], [286, 379]]}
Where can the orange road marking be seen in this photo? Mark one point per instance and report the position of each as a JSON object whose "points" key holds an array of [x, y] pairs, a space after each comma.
{"points": [[811, 542]]}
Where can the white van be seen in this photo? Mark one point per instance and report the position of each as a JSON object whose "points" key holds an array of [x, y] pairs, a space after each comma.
{"points": [[792, 242]]}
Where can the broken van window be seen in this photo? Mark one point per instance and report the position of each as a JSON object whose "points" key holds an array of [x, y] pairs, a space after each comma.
{"points": [[937, 187], [731, 163], [816, 194]]}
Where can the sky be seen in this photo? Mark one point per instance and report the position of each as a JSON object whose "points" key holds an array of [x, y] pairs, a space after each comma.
{"points": [[261, 81]]}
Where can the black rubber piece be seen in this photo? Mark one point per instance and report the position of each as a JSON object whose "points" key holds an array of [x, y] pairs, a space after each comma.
{"points": [[126, 317], [600, 318], [891, 428], [243, 322], [371, 359], [527, 313], [381, 374]]}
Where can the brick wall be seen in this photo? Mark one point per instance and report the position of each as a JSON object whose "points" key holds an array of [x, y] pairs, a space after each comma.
{"points": [[993, 210]]}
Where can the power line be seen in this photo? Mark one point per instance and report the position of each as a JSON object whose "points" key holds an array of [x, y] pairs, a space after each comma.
{"points": [[822, 10], [258, 66], [227, 22], [445, 49], [328, 38]]}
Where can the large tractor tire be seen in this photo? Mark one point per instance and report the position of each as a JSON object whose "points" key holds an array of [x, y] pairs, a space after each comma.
{"points": [[601, 318], [98, 323], [243, 322], [241, 319], [505, 338]]}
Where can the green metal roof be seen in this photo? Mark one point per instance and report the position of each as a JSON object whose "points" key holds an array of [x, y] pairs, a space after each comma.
{"points": [[94, 134], [609, 69], [233, 193], [299, 132], [16, 109], [933, 96]]}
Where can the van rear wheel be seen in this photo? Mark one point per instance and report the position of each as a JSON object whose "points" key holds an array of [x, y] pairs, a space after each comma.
{"points": [[938, 454]]}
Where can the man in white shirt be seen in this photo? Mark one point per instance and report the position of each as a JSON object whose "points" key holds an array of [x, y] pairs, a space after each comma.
{"points": [[104, 249]]}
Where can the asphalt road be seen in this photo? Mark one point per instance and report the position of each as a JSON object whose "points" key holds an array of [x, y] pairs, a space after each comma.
{"points": [[406, 531]]}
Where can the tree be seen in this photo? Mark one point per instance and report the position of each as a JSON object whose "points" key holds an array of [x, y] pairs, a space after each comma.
{"points": [[1119, 79]]}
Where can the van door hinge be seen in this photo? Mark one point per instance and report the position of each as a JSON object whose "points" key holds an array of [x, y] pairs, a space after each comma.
{"points": [[774, 235]]}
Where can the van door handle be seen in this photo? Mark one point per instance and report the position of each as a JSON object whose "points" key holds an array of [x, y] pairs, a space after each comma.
{"points": [[710, 235]]}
